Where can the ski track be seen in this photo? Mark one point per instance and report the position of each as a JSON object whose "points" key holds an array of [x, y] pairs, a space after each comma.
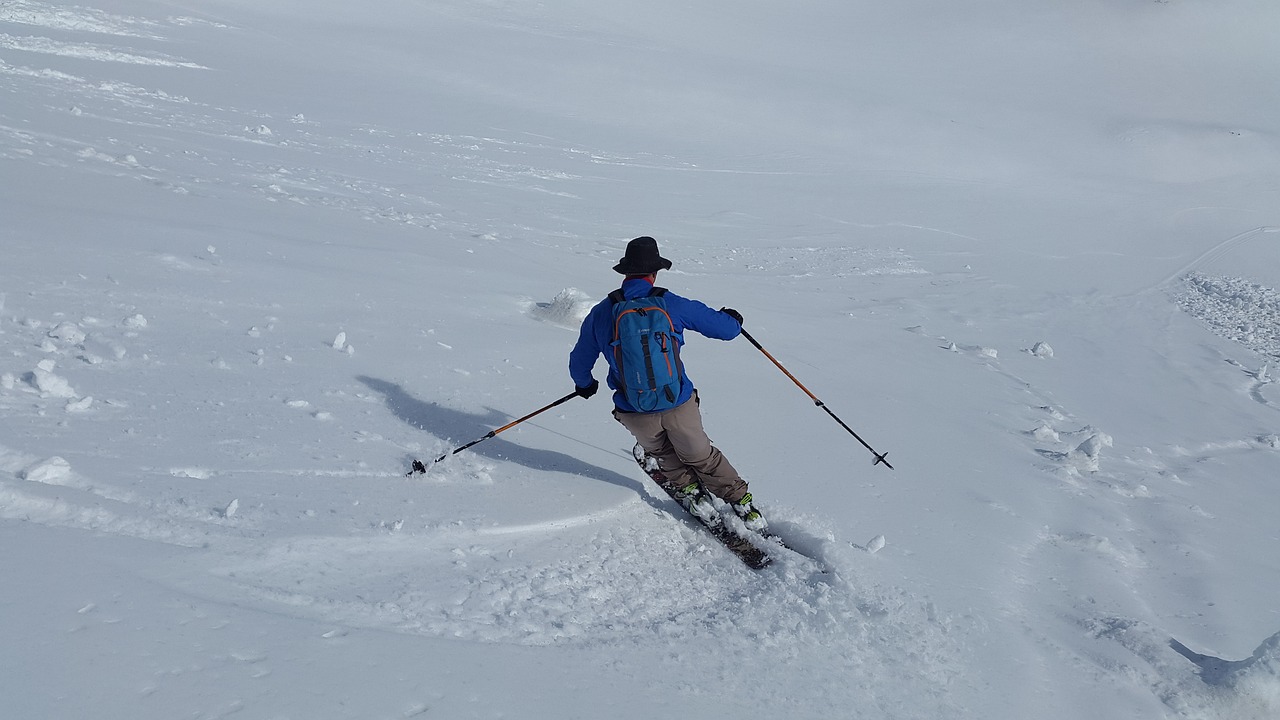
{"points": [[1214, 253], [637, 583], [47, 491], [88, 20], [1088, 462]]}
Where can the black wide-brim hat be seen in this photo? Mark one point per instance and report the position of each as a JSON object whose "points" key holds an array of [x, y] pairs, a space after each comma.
{"points": [[642, 258]]}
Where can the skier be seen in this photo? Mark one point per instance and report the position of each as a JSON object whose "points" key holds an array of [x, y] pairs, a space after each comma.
{"points": [[658, 411]]}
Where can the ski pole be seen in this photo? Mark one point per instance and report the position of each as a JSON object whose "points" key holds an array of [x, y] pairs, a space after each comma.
{"points": [[419, 468], [880, 457]]}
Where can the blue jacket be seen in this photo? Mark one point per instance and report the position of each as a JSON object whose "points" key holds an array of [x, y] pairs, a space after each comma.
{"points": [[597, 335]]}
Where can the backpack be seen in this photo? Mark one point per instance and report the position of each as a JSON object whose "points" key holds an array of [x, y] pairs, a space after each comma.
{"points": [[646, 351]]}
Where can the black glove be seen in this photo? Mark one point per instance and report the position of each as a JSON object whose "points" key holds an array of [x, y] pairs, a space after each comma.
{"points": [[589, 390], [733, 314]]}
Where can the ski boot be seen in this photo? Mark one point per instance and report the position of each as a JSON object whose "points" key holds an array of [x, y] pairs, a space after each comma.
{"points": [[750, 514], [696, 501]]}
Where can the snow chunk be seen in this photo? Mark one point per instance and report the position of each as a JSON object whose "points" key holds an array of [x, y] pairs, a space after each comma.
{"points": [[81, 405], [1264, 374], [1085, 456], [1044, 433], [49, 384], [67, 332], [96, 348], [568, 308], [231, 508], [1041, 350], [135, 322], [53, 471]]}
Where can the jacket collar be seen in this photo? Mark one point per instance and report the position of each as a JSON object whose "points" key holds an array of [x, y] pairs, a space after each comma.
{"points": [[638, 287]]}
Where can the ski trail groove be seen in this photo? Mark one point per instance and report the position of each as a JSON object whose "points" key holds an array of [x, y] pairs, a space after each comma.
{"points": [[1213, 253]]}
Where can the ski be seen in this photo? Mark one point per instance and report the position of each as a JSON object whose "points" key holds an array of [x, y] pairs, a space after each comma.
{"points": [[739, 544]]}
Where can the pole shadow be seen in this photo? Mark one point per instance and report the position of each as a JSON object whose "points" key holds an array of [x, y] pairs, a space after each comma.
{"points": [[446, 423]]}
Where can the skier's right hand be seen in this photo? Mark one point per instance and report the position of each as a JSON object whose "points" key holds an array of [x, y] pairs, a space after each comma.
{"points": [[589, 390], [733, 314]]}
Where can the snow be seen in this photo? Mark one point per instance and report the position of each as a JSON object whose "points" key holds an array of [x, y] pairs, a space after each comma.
{"points": [[1235, 308], [1027, 249], [568, 308], [48, 383]]}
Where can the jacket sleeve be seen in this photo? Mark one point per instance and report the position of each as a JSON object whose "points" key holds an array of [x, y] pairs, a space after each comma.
{"points": [[582, 359], [696, 316]]}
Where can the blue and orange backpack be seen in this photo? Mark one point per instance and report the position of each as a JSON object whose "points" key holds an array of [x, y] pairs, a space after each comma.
{"points": [[646, 351]]}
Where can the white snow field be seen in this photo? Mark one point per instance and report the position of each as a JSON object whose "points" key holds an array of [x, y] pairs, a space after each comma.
{"points": [[255, 257]]}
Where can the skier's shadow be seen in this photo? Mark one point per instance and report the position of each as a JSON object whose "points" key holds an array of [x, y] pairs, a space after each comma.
{"points": [[445, 422]]}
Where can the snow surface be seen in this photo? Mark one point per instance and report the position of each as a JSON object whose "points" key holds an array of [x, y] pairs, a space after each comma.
{"points": [[256, 257]]}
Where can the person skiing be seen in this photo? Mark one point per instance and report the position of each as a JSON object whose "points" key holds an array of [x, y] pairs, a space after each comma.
{"points": [[652, 393]]}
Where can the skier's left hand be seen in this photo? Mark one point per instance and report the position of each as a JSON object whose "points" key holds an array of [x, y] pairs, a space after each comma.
{"points": [[732, 313]]}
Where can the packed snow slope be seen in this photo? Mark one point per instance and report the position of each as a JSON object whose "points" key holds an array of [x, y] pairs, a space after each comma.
{"points": [[257, 257]]}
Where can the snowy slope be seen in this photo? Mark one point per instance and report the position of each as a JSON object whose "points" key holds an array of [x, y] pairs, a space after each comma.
{"points": [[257, 258]]}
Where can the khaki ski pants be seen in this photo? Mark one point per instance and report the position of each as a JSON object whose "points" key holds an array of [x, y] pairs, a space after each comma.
{"points": [[684, 452]]}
